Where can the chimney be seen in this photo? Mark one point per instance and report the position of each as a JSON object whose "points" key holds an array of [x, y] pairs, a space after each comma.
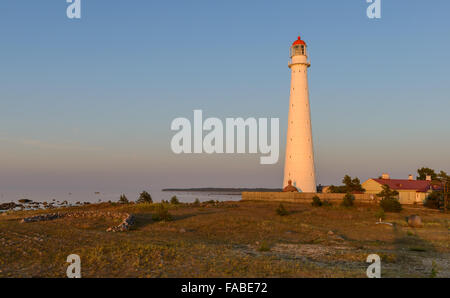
{"points": [[385, 176], [410, 177], [428, 178]]}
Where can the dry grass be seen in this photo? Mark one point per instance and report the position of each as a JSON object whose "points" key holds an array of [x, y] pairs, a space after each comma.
{"points": [[245, 239]]}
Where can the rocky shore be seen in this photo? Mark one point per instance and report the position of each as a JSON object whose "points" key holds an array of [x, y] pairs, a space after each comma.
{"points": [[26, 204]]}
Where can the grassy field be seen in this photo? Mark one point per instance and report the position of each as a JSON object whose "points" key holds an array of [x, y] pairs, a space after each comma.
{"points": [[231, 239]]}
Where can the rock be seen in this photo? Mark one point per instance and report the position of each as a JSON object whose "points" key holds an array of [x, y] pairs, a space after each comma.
{"points": [[331, 233], [44, 217], [338, 238], [25, 201], [126, 224], [8, 206], [414, 221], [182, 230]]}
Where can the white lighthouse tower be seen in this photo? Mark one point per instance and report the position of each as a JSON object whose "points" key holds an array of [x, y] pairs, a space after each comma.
{"points": [[299, 164]]}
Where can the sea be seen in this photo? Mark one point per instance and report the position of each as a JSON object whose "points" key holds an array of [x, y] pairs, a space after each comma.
{"points": [[104, 196]]}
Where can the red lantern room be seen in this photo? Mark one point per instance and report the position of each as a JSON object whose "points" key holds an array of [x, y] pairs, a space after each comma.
{"points": [[298, 48]]}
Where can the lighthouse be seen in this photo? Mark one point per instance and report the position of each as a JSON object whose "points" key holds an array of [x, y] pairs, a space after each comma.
{"points": [[299, 164]]}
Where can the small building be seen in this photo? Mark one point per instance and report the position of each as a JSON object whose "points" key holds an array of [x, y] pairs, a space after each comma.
{"points": [[410, 191]]}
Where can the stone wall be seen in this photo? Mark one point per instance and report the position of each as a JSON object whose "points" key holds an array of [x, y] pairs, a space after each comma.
{"points": [[127, 222], [304, 197]]}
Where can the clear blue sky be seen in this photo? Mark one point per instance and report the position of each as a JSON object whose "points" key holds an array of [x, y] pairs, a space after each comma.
{"points": [[87, 104]]}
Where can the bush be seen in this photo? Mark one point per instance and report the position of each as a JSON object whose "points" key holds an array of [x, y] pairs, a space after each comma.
{"points": [[380, 214], [197, 202], [348, 200], [123, 199], [389, 201], [316, 202], [162, 214], [350, 185], [144, 197], [281, 211], [434, 270], [264, 246], [434, 200], [390, 205], [326, 203], [174, 200]]}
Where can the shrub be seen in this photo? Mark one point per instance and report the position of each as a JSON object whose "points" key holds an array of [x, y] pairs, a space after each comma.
{"points": [[197, 202], [348, 200], [380, 214], [264, 246], [281, 211], [174, 200], [390, 205], [316, 202], [350, 185], [123, 199], [389, 201], [434, 200], [162, 214], [144, 197], [434, 270], [326, 203]]}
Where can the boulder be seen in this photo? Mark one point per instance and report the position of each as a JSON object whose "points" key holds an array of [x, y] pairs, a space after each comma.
{"points": [[8, 206], [44, 217], [25, 201], [414, 221], [124, 226]]}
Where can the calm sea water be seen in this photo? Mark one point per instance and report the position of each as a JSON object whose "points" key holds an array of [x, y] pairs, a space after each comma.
{"points": [[93, 197]]}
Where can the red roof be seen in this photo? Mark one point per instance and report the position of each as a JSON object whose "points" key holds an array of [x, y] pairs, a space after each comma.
{"points": [[405, 184], [299, 41]]}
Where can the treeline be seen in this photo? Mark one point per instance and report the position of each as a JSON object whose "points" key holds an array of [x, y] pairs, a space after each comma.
{"points": [[216, 189]]}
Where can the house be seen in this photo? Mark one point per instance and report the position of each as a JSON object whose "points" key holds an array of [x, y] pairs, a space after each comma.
{"points": [[410, 191]]}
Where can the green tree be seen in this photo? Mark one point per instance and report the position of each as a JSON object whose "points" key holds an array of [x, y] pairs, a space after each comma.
{"points": [[443, 176], [144, 197], [336, 189], [174, 200], [389, 201], [123, 199], [424, 172], [350, 185], [348, 200], [434, 200]]}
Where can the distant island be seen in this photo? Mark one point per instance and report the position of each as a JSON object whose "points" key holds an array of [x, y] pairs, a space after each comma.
{"points": [[216, 189]]}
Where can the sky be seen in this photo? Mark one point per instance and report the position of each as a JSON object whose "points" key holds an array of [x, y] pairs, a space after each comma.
{"points": [[87, 104]]}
